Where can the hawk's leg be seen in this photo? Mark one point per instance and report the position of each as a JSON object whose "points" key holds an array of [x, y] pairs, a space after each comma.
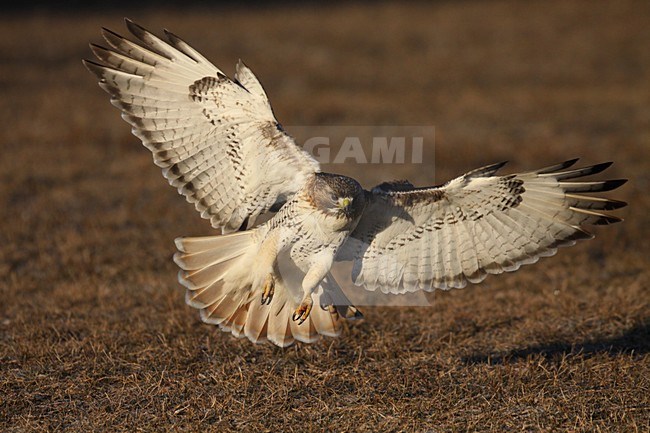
{"points": [[266, 256], [309, 284], [268, 289]]}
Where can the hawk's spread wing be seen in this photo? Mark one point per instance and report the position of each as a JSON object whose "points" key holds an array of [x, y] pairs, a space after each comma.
{"points": [[216, 139], [441, 237]]}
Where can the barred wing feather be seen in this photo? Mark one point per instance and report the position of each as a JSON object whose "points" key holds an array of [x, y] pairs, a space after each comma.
{"points": [[412, 239], [216, 139]]}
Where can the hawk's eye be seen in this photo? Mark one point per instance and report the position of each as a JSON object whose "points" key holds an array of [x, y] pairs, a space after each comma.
{"points": [[334, 197]]}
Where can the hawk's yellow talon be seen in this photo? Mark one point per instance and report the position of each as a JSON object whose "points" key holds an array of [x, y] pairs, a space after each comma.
{"points": [[302, 312], [269, 289]]}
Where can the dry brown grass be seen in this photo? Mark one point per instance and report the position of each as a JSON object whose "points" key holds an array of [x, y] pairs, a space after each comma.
{"points": [[94, 334]]}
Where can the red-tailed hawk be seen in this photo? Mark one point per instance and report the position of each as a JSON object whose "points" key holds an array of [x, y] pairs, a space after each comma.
{"points": [[218, 142]]}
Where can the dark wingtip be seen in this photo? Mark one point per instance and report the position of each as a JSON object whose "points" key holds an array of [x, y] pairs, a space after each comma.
{"points": [[109, 31], [597, 168], [614, 204], [485, 171], [94, 67], [613, 184], [607, 219], [171, 36], [110, 36], [99, 51], [557, 167], [566, 164], [604, 164], [135, 28]]}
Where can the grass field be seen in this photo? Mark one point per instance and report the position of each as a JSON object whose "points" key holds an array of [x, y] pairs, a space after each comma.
{"points": [[94, 333]]}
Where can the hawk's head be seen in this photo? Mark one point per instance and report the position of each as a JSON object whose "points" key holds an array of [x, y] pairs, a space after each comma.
{"points": [[338, 196]]}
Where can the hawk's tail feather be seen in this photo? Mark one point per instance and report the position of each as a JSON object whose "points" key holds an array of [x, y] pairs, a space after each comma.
{"points": [[217, 273]]}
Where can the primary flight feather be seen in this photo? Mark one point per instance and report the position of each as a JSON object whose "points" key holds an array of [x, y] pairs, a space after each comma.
{"points": [[218, 142]]}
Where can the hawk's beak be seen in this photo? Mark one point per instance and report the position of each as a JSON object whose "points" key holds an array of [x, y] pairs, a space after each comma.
{"points": [[346, 202]]}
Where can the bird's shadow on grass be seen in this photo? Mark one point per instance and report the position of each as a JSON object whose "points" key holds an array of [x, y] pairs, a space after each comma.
{"points": [[635, 340]]}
